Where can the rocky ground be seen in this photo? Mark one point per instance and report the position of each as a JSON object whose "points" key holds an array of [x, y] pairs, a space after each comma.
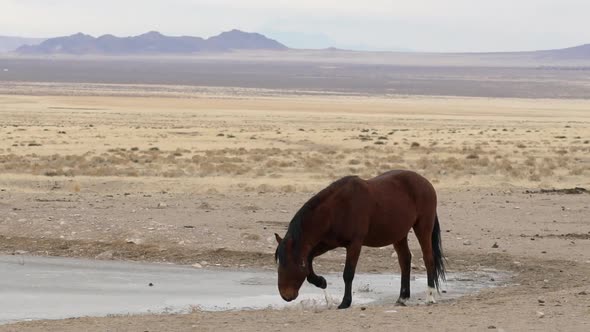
{"points": [[542, 238]]}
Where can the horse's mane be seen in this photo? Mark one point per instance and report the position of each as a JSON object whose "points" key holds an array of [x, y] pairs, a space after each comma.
{"points": [[295, 229]]}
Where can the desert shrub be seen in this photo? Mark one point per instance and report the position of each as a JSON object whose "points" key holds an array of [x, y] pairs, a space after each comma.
{"points": [[288, 188], [535, 177], [452, 163], [530, 161], [423, 163]]}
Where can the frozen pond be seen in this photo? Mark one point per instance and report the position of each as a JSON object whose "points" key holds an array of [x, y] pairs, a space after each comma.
{"points": [[55, 288]]}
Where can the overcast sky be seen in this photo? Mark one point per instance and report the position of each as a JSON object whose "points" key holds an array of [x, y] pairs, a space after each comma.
{"points": [[422, 25]]}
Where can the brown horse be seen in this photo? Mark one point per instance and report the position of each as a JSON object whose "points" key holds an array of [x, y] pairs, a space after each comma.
{"points": [[352, 213]]}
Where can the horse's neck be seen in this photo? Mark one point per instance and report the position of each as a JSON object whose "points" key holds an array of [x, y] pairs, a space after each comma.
{"points": [[313, 227]]}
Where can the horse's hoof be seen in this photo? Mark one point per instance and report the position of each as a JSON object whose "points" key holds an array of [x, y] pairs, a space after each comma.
{"points": [[345, 304], [322, 283], [401, 302]]}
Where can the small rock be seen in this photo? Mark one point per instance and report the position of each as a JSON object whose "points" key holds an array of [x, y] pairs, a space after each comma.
{"points": [[198, 266], [248, 236], [105, 255], [21, 252], [363, 315], [162, 205], [134, 241], [363, 308], [583, 293], [540, 314], [491, 327], [365, 288], [466, 243], [150, 284], [495, 245]]}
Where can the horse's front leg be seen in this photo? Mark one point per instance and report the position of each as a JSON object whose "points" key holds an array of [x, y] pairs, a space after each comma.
{"points": [[353, 252], [313, 278]]}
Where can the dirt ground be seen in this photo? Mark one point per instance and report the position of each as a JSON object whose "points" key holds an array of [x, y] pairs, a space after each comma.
{"points": [[208, 180]]}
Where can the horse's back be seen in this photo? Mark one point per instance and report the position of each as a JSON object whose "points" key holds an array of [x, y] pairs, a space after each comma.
{"points": [[406, 181]]}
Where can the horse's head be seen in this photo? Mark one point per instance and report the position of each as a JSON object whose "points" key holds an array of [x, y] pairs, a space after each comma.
{"points": [[292, 268]]}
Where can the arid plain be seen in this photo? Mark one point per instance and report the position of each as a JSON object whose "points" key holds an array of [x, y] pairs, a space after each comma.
{"points": [[164, 175]]}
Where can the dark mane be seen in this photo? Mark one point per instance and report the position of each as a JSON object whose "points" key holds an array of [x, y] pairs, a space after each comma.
{"points": [[295, 226]]}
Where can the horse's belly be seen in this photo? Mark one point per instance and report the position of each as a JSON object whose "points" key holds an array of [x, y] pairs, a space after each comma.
{"points": [[374, 242], [384, 235]]}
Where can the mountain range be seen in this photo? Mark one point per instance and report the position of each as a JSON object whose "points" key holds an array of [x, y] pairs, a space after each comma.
{"points": [[151, 42], [8, 44]]}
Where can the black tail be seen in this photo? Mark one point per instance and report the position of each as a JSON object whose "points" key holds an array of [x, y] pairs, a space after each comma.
{"points": [[439, 258]]}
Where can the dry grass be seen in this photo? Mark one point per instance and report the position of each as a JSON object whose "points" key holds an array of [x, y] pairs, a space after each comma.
{"points": [[293, 150]]}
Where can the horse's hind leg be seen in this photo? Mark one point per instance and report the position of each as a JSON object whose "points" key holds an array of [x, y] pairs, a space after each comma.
{"points": [[423, 230], [404, 257], [313, 278]]}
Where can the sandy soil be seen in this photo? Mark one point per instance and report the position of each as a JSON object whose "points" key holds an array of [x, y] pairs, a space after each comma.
{"points": [[208, 180]]}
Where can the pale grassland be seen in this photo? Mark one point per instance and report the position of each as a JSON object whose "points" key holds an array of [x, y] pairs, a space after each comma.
{"points": [[291, 144]]}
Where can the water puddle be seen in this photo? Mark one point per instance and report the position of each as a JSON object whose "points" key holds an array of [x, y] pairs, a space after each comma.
{"points": [[34, 288]]}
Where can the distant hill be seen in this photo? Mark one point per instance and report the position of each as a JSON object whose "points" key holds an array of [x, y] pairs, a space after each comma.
{"points": [[8, 44], [151, 43], [570, 53]]}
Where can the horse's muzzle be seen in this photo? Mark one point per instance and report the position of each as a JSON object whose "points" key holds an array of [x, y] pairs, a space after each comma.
{"points": [[289, 294]]}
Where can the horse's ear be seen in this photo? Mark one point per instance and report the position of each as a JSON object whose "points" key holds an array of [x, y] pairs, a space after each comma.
{"points": [[278, 238]]}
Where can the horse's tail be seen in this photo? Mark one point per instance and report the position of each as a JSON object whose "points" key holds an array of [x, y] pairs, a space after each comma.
{"points": [[439, 258]]}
